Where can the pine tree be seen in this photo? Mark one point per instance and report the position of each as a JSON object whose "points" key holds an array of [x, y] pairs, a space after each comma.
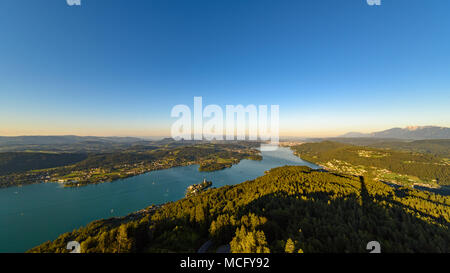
{"points": [[290, 247]]}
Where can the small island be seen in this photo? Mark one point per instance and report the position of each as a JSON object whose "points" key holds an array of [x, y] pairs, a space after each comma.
{"points": [[195, 189]]}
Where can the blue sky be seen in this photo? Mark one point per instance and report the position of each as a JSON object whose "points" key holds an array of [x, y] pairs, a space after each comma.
{"points": [[116, 67]]}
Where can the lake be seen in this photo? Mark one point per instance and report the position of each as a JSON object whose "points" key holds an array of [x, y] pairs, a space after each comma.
{"points": [[33, 214]]}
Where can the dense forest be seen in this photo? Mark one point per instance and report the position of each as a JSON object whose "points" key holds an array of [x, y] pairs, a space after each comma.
{"points": [[427, 167], [289, 209], [440, 147], [12, 162]]}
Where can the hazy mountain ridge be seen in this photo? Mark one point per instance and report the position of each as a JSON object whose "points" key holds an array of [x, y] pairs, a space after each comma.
{"points": [[67, 139], [411, 132]]}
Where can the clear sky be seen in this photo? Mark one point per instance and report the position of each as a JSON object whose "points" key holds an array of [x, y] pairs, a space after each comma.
{"points": [[117, 67]]}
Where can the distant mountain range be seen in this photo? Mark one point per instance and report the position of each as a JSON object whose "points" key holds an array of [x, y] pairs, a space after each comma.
{"points": [[62, 140], [411, 132]]}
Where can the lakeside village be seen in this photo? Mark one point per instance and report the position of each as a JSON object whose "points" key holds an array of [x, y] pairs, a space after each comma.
{"points": [[209, 159], [74, 178], [99, 175]]}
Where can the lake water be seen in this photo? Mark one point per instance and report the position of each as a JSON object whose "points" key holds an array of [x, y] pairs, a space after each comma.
{"points": [[33, 214]]}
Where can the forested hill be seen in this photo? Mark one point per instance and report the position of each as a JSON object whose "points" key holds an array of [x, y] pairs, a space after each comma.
{"points": [[402, 167], [12, 162], [290, 209], [440, 147]]}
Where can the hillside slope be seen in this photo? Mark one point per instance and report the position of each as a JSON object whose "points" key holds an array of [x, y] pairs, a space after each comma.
{"points": [[439, 147], [401, 167], [290, 209], [12, 162]]}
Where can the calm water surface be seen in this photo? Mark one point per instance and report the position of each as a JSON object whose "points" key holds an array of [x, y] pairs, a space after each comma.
{"points": [[33, 214]]}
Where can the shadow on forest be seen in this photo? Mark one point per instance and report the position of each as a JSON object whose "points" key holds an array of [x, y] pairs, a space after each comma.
{"points": [[354, 218], [402, 192], [319, 221], [330, 215]]}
